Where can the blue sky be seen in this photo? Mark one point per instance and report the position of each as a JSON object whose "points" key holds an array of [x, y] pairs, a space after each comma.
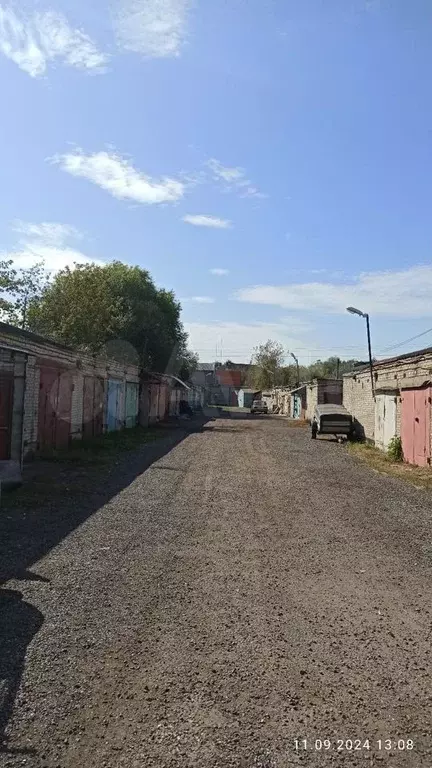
{"points": [[270, 162]]}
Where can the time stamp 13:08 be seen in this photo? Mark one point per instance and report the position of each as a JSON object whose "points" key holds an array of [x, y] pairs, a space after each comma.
{"points": [[353, 745]]}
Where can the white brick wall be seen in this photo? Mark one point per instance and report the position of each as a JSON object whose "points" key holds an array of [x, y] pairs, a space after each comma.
{"points": [[311, 399], [358, 400]]}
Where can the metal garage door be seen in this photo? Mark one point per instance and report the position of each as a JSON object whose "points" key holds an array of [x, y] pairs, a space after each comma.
{"points": [[114, 420], [131, 405], [55, 403], [385, 420], [93, 400], [415, 425]]}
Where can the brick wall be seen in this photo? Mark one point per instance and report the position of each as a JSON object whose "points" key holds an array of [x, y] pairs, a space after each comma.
{"points": [[18, 346], [358, 400], [357, 391], [311, 399], [31, 406]]}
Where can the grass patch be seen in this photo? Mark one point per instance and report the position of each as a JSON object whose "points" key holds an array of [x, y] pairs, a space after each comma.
{"points": [[421, 477], [103, 448]]}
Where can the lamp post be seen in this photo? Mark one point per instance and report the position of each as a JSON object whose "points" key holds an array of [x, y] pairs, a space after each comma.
{"points": [[297, 364], [355, 311]]}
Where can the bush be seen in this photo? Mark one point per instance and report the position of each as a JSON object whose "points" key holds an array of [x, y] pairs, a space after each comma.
{"points": [[394, 450]]}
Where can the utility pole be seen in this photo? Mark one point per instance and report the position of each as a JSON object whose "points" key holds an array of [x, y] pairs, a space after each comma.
{"points": [[337, 367]]}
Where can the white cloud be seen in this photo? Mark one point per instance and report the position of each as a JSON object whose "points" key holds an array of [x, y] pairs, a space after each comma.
{"points": [[54, 258], [201, 220], [33, 41], [238, 340], [404, 293], [47, 242], [234, 179], [219, 271], [202, 299], [117, 176], [154, 28], [48, 231]]}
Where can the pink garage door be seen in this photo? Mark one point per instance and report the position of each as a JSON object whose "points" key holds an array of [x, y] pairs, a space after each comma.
{"points": [[415, 426]]}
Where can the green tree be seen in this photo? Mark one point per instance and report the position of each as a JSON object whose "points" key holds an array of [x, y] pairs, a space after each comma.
{"points": [[93, 306], [267, 361], [21, 289]]}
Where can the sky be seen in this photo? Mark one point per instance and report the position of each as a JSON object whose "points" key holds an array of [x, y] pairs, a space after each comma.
{"points": [[270, 161]]}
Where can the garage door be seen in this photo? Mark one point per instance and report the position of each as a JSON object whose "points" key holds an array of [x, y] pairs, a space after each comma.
{"points": [[415, 425], [385, 420], [55, 403]]}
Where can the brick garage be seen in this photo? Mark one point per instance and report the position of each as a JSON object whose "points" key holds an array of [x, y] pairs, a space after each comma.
{"points": [[43, 391], [398, 379], [321, 391]]}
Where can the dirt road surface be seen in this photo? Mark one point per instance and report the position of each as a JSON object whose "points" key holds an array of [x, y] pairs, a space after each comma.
{"points": [[250, 588]]}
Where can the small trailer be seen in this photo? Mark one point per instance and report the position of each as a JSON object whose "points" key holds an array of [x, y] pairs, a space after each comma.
{"points": [[332, 420]]}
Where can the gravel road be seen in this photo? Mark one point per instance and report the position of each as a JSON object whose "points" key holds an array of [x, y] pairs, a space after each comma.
{"points": [[250, 588]]}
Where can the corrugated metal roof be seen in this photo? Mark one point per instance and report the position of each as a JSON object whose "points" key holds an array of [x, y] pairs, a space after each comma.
{"points": [[205, 367]]}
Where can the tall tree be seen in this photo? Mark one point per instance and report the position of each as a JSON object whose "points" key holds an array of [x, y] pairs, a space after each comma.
{"points": [[267, 360], [93, 306], [21, 289]]}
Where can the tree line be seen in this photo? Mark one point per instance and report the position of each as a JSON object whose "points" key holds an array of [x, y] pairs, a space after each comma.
{"points": [[268, 369], [113, 308]]}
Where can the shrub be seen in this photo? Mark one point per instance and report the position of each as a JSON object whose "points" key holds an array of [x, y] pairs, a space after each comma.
{"points": [[394, 450]]}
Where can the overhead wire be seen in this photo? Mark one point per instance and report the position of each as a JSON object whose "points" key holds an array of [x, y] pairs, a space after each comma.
{"points": [[407, 341]]}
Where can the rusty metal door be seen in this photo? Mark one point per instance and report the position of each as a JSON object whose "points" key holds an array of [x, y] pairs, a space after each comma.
{"points": [[6, 398], [93, 402], [48, 398], [415, 426], [55, 404]]}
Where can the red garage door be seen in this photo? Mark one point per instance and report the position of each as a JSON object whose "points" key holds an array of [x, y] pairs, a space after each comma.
{"points": [[55, 403], [415, 426]]}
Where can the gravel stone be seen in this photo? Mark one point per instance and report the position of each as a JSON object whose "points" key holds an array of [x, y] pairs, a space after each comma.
{"points": [[248, 588]]}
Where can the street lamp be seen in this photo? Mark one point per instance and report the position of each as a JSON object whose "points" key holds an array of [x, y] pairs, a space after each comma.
{"points": [[355, 311]]}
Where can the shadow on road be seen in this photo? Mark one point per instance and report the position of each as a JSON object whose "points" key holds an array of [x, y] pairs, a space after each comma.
{"points": [[32, 523], [31, 526], [20, 622]]}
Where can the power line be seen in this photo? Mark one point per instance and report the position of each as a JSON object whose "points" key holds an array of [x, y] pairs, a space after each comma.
{"points": [[407, 341]]}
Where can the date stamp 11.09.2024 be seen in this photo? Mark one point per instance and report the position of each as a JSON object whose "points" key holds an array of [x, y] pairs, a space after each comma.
{"points": [[395, 744]]}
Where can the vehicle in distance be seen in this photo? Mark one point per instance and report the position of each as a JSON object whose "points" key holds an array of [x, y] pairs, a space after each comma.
{"points": [[259, 406], [332, 420]]}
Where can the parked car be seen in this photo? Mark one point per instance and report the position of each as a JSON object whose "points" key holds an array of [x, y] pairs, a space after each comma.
{"points": [[259, 406], [332, 420]]}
